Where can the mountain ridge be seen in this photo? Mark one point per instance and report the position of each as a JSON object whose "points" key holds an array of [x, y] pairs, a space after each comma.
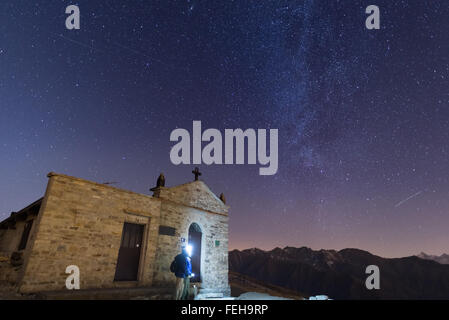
{"points": [[442, 259], [341, 274]]}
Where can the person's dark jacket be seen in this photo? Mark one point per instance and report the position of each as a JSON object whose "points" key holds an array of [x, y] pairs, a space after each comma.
{"points": [[181, 266]]}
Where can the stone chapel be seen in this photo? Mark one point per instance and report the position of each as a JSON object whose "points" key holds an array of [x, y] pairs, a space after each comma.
{"points": [[117, 238]]}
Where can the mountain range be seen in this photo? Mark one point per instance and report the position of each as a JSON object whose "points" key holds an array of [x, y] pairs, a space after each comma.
{"points": [[443, 259], [341, 274]]}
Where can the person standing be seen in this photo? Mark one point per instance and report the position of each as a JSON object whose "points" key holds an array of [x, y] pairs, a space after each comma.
{"points": [[182, 268]]}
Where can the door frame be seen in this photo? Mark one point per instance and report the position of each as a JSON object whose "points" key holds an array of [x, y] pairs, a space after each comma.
{"points": [[135, 218], [203, 246]]}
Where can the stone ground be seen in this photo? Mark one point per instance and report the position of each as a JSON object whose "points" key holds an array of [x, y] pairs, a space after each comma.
{"points": [[136, 294], [259, 296], [265, 296]]}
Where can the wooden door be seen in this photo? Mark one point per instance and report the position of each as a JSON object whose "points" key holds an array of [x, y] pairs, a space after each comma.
{"points": [[129, 253]]}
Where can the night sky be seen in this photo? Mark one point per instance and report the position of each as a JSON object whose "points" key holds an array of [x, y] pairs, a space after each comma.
{"points": [[363, 115]]}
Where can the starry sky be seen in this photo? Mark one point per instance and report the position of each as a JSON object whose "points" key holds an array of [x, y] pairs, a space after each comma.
{"points": [[363, 115]]}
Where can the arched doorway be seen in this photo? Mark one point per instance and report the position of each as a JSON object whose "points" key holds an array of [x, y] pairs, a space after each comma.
{"points": [[195, 235]]}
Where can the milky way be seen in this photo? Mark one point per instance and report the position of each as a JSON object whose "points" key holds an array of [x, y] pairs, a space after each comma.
{"points": [[362, 114]]}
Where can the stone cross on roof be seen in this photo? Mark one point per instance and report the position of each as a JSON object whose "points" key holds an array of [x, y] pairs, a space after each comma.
{"points": [[197, 173]]}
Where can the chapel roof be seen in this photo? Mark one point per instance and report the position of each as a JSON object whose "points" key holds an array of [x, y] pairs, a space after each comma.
{"points": [[22, 214], [196, 194]]}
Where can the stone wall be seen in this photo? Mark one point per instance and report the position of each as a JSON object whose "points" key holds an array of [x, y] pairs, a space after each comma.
{"points": [[10, 238], [9, 274], [81, 224], [11, 258], [195, 194], [182, 206]]}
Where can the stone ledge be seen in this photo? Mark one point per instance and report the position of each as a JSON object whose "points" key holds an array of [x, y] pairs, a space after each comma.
{"points": [[106, 186]]}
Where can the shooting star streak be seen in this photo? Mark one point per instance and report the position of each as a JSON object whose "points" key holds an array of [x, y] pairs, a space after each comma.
{"points": [[77, 42], [92, 48], [116, 44], [407, 199]]}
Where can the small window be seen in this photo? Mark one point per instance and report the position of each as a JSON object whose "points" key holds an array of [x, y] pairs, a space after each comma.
{"points": [[25, 235]]}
